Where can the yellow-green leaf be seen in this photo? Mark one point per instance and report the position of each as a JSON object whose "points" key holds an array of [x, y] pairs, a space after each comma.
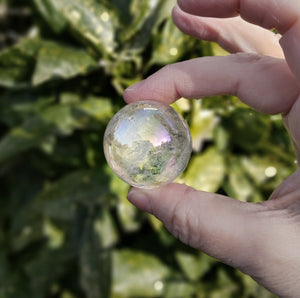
{"points": [[206, 171]]}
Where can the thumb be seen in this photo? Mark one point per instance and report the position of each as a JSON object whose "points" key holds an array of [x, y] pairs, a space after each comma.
{"points": [[219, 226]]}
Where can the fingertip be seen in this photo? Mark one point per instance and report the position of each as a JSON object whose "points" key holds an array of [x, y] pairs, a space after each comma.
{"points": [[181, 19], [140, 199], [131, 94], [143, 90], [155, 87], [175, 14], [175, 11], [158, 200]]}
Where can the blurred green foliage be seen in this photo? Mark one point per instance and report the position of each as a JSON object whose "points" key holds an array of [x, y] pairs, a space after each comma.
{"points": [[66, 228]]}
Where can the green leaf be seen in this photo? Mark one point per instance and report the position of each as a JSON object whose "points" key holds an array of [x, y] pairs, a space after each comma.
{"points": [[26, 230], [223, 285], [17, 63], [54, 234], [18, 140], [105, 228], [253, 178], [127, 213], [202, 124], [247, 129], [265, 171], [3, 268], [257, 168], [57, 207], [12, 284], [169, 44], [138, 35], [137, 274], [55, 120], [194, 265], [238, 185], [87, 187], [16, 106], [179, 288], [57, 61], [35, 130], [217, 50], [26, 225], [49, 13], [252, 289], [97, 108], [164, 12], [95, 264], [41, 263], [206, 171], [142, 13], [90, 21]]}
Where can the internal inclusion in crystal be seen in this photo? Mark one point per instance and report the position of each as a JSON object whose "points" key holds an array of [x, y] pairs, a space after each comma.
{"points": [[147, 144]]}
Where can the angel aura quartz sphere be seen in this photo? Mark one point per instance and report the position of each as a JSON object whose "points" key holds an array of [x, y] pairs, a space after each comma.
{"points": [[147, 144]]}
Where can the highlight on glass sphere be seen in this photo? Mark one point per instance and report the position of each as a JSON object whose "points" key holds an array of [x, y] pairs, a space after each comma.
{"points": [[147, 144]]}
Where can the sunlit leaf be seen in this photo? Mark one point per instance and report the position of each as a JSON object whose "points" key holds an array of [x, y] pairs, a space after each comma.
{"points": [[90, 21], [137, 274], [218, 50], [169, 44], [202, 124], [266, 172], [54, 235], [144, 13], [223, 287], [105, 228], [179, 288], [194, 265], [128, 215], [239, 185], [156, 224], [56, 61], [206, 171]]}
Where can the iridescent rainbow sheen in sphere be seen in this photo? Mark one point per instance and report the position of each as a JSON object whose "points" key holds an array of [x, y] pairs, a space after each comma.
{"points": [[147, 144]]}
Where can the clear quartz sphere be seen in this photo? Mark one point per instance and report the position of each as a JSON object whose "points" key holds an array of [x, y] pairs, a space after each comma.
{"points": [[147, 144]]}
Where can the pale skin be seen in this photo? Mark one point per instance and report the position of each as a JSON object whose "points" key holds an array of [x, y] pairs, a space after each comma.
{"points": [[263, 70]]}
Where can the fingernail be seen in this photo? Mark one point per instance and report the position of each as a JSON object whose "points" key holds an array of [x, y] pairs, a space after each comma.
{"points": [[140, 199], [134, 86]]}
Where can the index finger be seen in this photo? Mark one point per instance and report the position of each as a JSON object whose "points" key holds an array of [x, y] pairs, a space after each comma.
{"points": [[283, 15]]}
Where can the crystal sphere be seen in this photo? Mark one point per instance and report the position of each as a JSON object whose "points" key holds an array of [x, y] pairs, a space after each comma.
{"points": [[147, 144]]}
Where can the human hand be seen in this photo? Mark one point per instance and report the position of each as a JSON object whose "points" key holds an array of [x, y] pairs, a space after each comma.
{"points": [[262, 240]]}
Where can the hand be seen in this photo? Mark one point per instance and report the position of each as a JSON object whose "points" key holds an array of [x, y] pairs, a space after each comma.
{"points": [[262, 240]]}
